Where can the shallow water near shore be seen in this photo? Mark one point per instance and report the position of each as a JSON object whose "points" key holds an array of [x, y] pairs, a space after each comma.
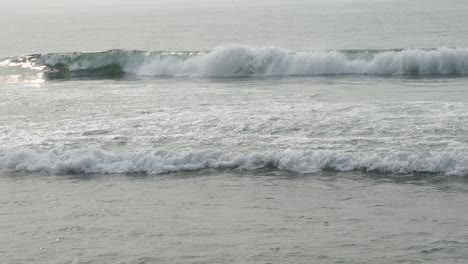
{"points": [[212, 217]]}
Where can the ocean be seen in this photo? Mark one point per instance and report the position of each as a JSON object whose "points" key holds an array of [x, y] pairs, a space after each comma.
{"points": [[234, 132]]}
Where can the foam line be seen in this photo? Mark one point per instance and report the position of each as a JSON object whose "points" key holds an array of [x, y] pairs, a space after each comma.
{"points": [[158, 162]]}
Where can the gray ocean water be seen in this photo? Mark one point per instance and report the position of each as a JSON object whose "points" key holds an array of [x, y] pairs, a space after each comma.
{"points": [[234, 132]]}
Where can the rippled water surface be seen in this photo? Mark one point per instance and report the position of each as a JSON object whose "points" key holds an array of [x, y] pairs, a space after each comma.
{"points": [[217, 217]]}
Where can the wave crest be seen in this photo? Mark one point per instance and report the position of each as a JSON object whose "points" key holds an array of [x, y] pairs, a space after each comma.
{"points": [[158, 162], [244, 61]]}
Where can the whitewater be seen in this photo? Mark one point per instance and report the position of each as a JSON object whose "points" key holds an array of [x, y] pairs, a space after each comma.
{"points": [[244, 61], [199, 126], [154, 162]]}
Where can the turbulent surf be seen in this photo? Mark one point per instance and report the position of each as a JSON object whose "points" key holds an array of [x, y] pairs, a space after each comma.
{"points": [[158, 162], [244, 61]]}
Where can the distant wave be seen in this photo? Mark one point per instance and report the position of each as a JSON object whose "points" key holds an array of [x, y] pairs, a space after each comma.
{"points": [[158, 162], [244, 61]]}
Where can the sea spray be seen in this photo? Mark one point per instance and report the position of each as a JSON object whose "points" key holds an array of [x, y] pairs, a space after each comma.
{"points": [[244, 61]]}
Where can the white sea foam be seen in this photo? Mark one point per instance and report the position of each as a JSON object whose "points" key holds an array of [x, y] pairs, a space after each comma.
{"points": [[158, 162], [241, 61]]}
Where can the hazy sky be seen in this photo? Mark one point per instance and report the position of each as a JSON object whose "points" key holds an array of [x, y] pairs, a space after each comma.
{"points": [[63, 3], [71, 3], [83, 3]]}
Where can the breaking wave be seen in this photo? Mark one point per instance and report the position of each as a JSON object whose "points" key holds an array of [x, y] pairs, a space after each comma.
{"points": [[159, 162], [244, 61]]}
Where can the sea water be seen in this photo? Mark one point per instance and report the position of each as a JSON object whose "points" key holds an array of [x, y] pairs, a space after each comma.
{"points": [[234, 132]]}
